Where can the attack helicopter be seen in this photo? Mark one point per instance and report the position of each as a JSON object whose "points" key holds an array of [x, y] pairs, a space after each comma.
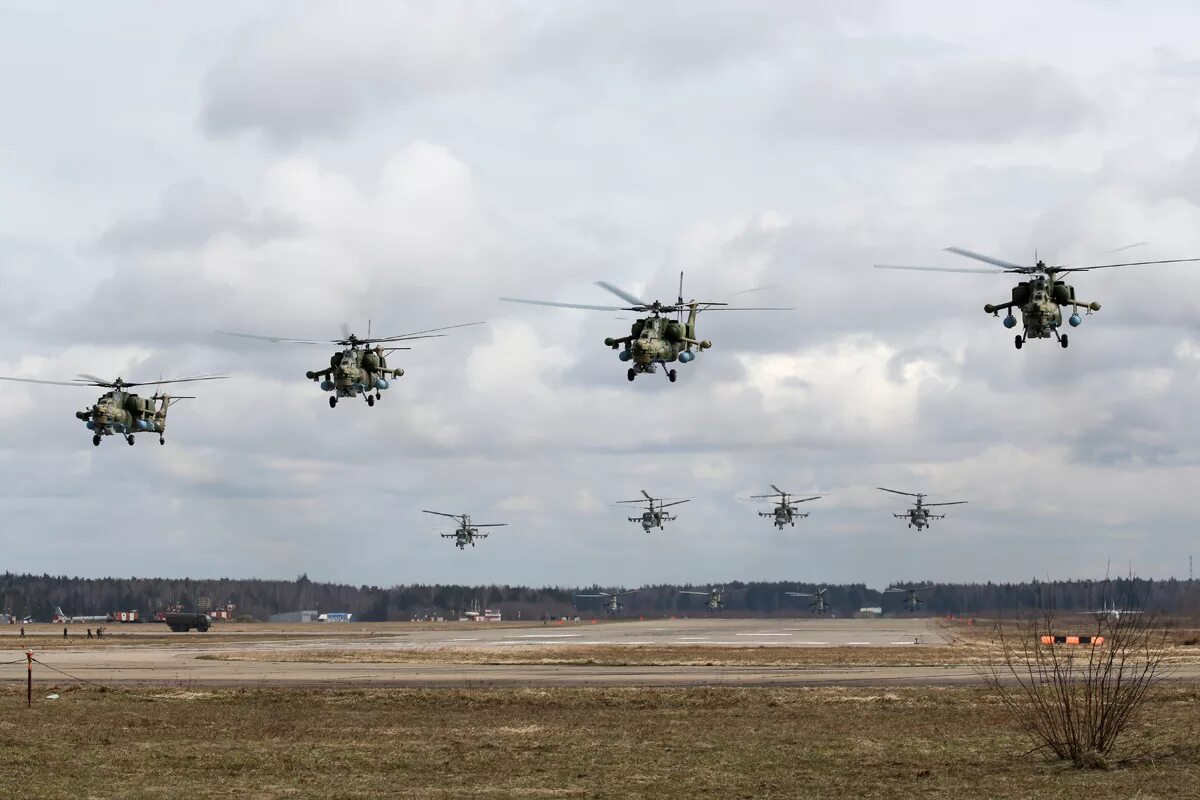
{"points": [[612, 600], [912, 601], [467, 531], [919, 515], [1041, 298], [818, 605], [786, 512], [656, 339], [119, 412], [716, 598], [654, 516], [360, 368]]}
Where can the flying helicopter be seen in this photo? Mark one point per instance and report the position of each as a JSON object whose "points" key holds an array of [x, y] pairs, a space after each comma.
{"points": [[912, 601], [467, 531], [716, 598], [786, 512], [1041, 298], [818, 605], [360, 368], [612, 600], [656, 339], [653, 516], [120, 412], [919, 515]]}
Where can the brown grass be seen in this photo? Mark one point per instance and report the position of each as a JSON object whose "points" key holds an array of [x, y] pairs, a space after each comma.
{"points": [[597, 743]]}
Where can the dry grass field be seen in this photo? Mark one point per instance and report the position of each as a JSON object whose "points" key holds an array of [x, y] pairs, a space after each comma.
{"points": [[586, 743]]}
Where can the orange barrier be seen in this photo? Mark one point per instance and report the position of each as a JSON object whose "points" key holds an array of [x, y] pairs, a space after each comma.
{"points": [[1097, 640]]}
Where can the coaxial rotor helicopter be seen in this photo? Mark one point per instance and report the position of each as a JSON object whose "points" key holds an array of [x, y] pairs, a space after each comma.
{"points": [[912, 601], [360, 368], [612, 600], [786, 512], [656, 339], [1041, 298], [818, 605], [119, 412], [716, 597], [654, 516], [467, 531], [919, 516]]}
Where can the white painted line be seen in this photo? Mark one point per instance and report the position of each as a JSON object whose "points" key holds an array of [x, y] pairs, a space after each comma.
{"points": [[624, 642], [464, 640], [810, 642], [762, 634], [693, 638], [903, 642], [857, 642], [551, 636]]}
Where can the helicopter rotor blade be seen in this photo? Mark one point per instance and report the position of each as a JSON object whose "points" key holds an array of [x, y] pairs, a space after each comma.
{"points": [[645, 494], [443, 514], [676, 503], [896, 491], [943, 269], [177, 380], [552, 304], [955, 503], [276, 339], [425, 334], [995, 262], [1128, 264], [48, 383], [632, 299]]}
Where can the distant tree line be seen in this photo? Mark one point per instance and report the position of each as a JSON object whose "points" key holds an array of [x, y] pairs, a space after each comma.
{"points": [[37, 595]]}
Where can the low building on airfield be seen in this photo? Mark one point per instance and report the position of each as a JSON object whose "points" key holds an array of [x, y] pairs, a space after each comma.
{"points": [[295, 616]]}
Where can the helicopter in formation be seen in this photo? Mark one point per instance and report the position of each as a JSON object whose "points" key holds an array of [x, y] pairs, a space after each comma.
{"points": [[819, 604], [1041, 298], [467, 531], [654, 516], [655, 340], [786, 512], [360, 368], [612, 600], [919, 516], [716, 597], [912, 600], [119, 412]]}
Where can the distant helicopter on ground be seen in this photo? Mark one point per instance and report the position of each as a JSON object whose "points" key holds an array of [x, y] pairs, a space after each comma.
{"points": [[612, 600], [123, 413], [912, 601], [1039, 299], [818, 605], [919, 515], [785, 512], [654, 516], [467, 531], [716, 597], [656, 339], [358, 369]]}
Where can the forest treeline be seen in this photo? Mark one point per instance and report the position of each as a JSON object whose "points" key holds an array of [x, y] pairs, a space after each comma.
{"points": [[37, 595]]}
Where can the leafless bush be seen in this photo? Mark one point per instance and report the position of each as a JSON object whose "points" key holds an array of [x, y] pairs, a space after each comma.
{"points": [[1076, 700]]}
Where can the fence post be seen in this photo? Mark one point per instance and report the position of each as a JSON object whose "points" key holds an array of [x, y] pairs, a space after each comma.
{"points": [[29, 679]]}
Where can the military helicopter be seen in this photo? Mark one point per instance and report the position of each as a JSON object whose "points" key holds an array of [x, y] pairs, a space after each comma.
{"points": [[919, 515], [786, 512], [359, 369], [913, 601], [653, 516], [120, 412], [467, 531], [1039, 299], [716, 598], [612, 600], [819, 604], [657, 339]]}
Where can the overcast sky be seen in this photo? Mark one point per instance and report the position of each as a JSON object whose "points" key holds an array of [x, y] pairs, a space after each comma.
{"points": [[167, 170]]}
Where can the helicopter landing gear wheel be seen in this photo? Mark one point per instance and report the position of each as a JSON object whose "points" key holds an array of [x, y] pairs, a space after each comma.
{"points": [[671, 375], [162, 440], [333, 402], [1017, 342], [631, 374], [1063, 341], [96, 440], [371, 400], [378, 395], [129, 438]]}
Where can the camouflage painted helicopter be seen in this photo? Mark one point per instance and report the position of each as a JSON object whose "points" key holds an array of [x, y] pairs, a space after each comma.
{"points": [[657, 339], [612, 600], [467, 531], [359, 369], [818, 605], [786, 512], [1041, 298], [919, 515], [912, 601], [716, 597], [654, 516], [123, 413]]}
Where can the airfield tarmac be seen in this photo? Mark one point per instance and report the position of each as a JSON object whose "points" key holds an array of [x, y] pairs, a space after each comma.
{"points": [[210, 659]]}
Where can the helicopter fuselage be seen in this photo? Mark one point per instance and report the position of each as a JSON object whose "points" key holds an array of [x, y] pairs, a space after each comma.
{"points": [[356, 372], [121, 413], [658, 340], [1041, 300]]}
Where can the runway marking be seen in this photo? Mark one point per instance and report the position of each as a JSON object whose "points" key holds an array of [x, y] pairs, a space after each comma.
{"points": [[762, 634], [551, 635], [810, 642], [903, 642], [857, 642], [465, 640], [693, 638]]}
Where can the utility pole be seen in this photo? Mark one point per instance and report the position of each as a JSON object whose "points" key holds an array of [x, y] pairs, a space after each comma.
{"points": [[29, 679]]}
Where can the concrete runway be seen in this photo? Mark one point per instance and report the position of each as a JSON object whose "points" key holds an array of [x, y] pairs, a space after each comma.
{"points": [[180, 661]]}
